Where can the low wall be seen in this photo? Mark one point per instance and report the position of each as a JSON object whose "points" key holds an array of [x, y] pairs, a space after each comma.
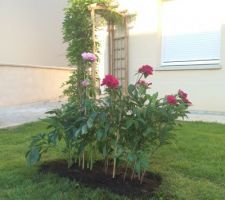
{"points": [[27, 84]]}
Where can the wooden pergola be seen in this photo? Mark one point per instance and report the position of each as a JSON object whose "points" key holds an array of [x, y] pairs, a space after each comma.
{"points": [[112, 47]]}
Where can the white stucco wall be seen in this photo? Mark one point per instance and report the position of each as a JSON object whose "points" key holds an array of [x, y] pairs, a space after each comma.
{"points": [[31, 32], [32, 53], [31, 35], [206, 87]]}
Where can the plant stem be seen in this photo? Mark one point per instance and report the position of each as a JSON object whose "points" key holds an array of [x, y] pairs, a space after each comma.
{"points": [[91, 165], [79, 161], [132, 175], [106, 165], [142, 177], [83, 162], [139, 79], [125, 173], [114, 160]]}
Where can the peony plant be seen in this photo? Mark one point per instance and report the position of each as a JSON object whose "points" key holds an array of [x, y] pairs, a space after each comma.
{"points": [[120, 129]]}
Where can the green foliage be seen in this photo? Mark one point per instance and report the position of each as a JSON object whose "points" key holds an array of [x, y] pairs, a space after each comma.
{"points": [[125, 129]]}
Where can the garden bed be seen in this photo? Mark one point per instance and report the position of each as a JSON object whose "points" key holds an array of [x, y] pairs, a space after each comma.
{"points": [[98, 179]]}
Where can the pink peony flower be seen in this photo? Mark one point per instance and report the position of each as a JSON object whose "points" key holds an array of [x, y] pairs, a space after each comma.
{"points": [[144, 83], [171, 100], [182, 94], [146, 70], [110, 81], [89, 56], [185, 100], [85, 83]]}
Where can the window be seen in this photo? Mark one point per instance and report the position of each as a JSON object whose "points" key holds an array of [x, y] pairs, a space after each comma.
{"points": [[190, 32]]}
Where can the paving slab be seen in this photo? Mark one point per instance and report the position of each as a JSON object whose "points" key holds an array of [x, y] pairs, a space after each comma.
{"points": [[17, 115], [20, 114], [218, 117]]}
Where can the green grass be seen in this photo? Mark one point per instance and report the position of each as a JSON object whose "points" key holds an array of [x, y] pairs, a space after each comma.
{"points": [[193, 167]]}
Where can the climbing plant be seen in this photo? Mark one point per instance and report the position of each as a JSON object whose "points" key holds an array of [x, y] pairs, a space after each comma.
{"points": [[77, 31]]}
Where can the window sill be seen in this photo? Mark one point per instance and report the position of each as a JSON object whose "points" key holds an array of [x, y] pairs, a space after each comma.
{"points": [[187, 67]]}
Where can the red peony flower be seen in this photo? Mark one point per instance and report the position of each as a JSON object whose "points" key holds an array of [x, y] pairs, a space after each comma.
{"points": [[110, 81], [183, 96], [146, 70], [171, 100]]}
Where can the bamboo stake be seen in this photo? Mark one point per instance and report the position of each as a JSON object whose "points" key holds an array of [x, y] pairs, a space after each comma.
{"points": [[114, 167], [126, 54], [125, 173], [93, 70]]}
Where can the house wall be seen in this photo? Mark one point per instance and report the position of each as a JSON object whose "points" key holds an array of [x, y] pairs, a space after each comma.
{"points": [[206, 87], [31, 32], [27, 84], [31, 41], [32, 53]]}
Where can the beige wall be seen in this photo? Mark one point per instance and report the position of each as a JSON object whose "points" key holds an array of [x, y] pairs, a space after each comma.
{"points": [[26, 84], [31, 40], [206, 87], [31, 32]]}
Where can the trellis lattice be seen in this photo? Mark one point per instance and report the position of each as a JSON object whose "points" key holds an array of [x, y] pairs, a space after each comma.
{"points": [[118, 52]]}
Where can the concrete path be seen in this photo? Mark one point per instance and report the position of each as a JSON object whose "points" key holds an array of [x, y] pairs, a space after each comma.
{"points": [[16, 115], [218, 117]]}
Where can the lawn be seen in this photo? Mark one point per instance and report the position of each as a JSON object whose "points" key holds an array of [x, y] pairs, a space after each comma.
{"points": [[192, 168]]}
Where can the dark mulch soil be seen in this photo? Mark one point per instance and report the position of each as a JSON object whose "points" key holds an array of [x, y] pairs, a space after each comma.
{"points": [[98, 179]]}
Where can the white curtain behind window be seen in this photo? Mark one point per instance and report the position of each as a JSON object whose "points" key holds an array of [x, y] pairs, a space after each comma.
{"points": [[191, 32]]}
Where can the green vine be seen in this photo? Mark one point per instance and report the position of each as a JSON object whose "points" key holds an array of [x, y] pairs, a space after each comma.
{"points": [[77, 31]]}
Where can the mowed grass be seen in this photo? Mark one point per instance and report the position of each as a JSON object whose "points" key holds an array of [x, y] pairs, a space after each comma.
{"points": [[192, 168]]}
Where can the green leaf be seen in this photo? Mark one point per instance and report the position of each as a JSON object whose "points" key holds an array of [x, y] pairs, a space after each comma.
{"points": [[142, 90], [154, 98], [52, 138], [84, 129], [148, 131], [138, 167], [33, 156], [131, 157], [104, 151], [131, 88], [99, 134], [77, 132], [90, 123], [129, 123], [91, 120]]}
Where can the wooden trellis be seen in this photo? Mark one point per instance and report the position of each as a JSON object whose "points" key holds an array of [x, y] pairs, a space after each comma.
{"points": [[118, 52], [117, 46]]}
